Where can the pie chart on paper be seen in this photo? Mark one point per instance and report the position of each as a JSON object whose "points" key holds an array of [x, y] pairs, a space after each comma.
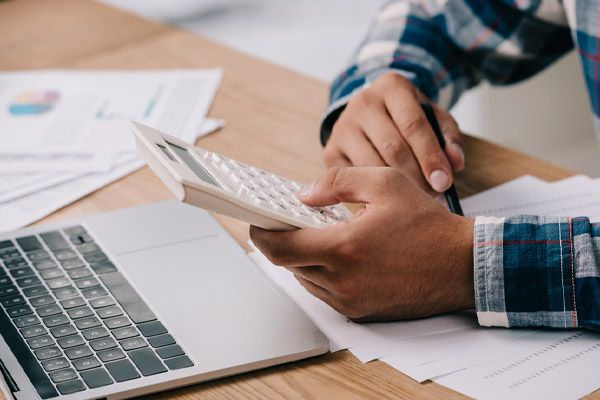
{"points": [[33, 102]]}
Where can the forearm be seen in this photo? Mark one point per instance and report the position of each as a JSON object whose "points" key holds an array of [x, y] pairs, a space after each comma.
{"points": [[537, 271]]}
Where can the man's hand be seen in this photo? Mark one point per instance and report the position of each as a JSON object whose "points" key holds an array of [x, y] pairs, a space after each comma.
{"points": [[401, 256], [385, 125]]}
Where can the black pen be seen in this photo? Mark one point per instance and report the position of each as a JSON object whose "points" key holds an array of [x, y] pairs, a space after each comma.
{"points": [[451, 195]]}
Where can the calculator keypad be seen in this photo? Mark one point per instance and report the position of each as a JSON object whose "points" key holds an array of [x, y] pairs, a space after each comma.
{"points": [[270, 191]]}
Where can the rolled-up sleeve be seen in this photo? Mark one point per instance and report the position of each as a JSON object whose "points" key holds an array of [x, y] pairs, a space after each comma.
{"points": [[537, 271]]}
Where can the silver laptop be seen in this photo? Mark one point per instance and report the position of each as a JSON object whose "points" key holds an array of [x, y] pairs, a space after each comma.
{"points": [[136, 301]]}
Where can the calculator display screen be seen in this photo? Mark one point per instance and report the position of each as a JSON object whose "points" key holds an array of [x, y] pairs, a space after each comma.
{"points": [[194, 165]]}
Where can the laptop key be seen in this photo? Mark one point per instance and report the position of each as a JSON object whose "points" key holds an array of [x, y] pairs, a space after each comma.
{"points": [[56, 320], [71, 341], [103, 267], [94, 292], [69, 387], [39, 342], [71, 264], [153, 328], [21, 272], [65, 292], [109, 312], [19, 311], [160, 341], [103, 344], [89, 322], [124, 333], [117, 322], [65, 255], [80, 312], [5, 280], [111, 355], [9, 290], [87, 283], [11, 301], [88, 248], [75, 230], [29, 320], [29, 243], [78, 352], [122, 370], [62, 375], [147, 362], [102, 302], [72, 303], [51, 273], [125, 295], [33, 291], [16, 262], [82, 364], [54, 240], [46, 311], [28, 281], [95, 257], [58, 283], [62, 331], [170, 351], [79, 273], [179, 362], [44, 265], [33, 331], [95, 378], [55, 363], [39, 301], [4, 244], [47, 352], [38, 255], [95, 333], [133, 343]]}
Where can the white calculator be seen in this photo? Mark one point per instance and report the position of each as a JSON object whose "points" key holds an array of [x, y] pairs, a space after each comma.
{"points": [[225, 186]]}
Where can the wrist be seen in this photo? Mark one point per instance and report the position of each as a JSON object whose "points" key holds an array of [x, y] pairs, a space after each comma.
{"points": [[465, 269]]}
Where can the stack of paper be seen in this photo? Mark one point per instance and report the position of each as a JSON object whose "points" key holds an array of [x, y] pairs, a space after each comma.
{"points": [[66, 133], [451, 349]]}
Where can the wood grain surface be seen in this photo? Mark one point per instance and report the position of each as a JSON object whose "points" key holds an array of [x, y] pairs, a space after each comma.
{"points": [[272, 119]]}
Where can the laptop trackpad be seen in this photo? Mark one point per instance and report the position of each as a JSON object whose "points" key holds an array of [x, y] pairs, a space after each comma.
{"points": [[209, 295]]}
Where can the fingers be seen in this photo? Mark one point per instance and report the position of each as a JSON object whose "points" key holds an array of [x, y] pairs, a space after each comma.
{"points": [[352, 185], [411, 121], [455, 142], [297, 248], [354, 147], [391, 145]]}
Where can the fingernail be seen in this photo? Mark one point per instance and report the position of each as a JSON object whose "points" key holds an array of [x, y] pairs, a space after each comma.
{"points": [[439, 180], [306, 190], [459, 150]]}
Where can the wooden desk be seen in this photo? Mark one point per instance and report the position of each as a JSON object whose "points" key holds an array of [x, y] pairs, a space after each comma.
{"points": [[272, 122]]}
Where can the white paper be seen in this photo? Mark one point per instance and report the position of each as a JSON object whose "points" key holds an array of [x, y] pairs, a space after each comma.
{"points": [[50, 161], [565, 368], [28, 208], [571, 197], [343, 333], [81, 111]]}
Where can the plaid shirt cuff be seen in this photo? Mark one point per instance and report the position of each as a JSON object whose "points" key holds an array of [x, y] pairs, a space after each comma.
{"points": [[537, 271]]}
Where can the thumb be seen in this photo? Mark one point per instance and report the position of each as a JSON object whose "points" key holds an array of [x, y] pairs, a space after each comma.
{"points": [[349, 185]]}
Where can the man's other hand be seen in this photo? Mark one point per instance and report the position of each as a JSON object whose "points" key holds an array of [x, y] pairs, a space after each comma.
{"points": [[385, 125], [401, 256]]}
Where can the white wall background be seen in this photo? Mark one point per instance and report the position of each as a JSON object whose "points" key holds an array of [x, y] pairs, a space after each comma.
{"points": [[547, 116]]}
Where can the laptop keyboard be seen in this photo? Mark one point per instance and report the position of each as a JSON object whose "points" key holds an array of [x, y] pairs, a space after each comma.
{"points": [[72, 319]]}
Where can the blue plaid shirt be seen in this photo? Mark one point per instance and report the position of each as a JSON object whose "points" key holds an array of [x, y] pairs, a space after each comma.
{"points": [[529, 270]]}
